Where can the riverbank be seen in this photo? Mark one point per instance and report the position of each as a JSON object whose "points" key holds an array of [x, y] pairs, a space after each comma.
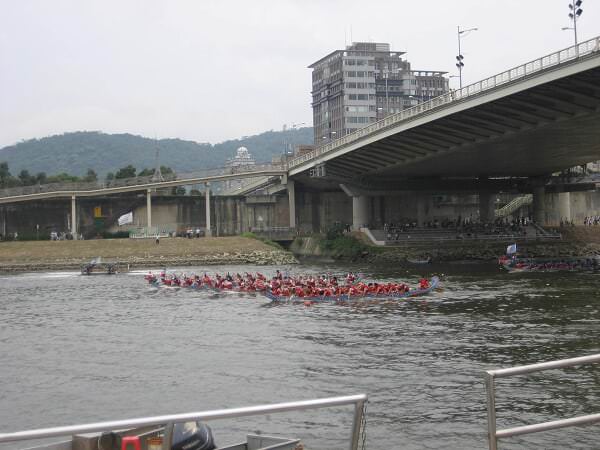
{"points": [[139, 253], [576, 242]]}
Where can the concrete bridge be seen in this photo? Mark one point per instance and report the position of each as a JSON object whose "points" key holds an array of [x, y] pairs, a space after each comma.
{"points": [[506, 133], [517, 127]]}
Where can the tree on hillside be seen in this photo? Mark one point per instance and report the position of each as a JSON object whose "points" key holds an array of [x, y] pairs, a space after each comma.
{"points": [[90, 176], [63, 178], [146, 173], [6, 179], [26, 178], [4, 172], [164, 170], [110, 176], [126, 172], [41, 178]]}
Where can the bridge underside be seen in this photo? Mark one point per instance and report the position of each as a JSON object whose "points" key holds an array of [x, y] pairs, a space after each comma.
{"points": [[536, 132]]}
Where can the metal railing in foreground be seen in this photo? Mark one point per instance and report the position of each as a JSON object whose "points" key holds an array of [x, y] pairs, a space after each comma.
{"points": [[566, 55], [357, 400], [491, 375]]}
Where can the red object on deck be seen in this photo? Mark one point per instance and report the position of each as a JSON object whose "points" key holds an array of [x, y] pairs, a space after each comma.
{"points": [[131, 440]]}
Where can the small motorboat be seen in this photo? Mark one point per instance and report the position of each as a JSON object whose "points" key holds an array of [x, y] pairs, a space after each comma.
{"points": [[517, 264], [98, 266]]}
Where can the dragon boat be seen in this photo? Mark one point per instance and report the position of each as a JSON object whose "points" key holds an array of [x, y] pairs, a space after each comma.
{"points": [[353, 299], [249, 283], [517, 264]]}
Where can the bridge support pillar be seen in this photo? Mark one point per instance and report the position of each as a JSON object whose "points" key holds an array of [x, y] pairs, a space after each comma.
{"points": [[149, 209], [360, 211], [291, 189], [3, 210], [564, 206], [73, 217], [539, 208], [208, 231], [421, 205], [486, 207]]}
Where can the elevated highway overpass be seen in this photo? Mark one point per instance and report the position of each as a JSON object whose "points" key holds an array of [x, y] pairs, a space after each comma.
{"points": [[532, 120], [144, 184], [513, 128]]}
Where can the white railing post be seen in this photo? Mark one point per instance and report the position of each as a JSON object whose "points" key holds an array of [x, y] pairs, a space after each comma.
{"points": [[356, 424], [494, 434], [491, 409]]}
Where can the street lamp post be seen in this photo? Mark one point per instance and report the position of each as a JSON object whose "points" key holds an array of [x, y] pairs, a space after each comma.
{"points": [[387, 99], [385, 76], [460, 57], [574, 14]]}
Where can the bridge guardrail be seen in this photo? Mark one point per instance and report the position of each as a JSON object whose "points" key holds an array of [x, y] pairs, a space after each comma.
{"points": [[569, 54]]}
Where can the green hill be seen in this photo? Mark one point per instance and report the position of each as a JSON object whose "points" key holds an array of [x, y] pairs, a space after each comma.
{"points": [[74, 153]]}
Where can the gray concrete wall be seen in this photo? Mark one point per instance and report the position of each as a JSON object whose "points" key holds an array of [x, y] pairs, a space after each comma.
{"points": [[318, 211], [54, 215], [581, 205], [403, 207]]}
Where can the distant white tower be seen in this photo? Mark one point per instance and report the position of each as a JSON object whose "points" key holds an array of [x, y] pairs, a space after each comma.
{"points": [[242, 159]]}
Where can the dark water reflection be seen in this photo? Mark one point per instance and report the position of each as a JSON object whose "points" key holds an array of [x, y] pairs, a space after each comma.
{"points": [[80, 349]]}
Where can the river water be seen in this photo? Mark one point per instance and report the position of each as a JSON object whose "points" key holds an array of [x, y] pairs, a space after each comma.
{"points": [[77, 349]]}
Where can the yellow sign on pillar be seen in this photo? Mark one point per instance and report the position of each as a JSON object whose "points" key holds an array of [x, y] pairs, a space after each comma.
{"points": [[97, 212]]}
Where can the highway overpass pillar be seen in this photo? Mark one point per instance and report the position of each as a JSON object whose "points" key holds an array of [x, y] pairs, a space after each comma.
{"points": [[73, 218], [208, 232], [149, 209], [539, 209], [291, 189], [360, 211], [486, 207], [421, 204], [564, 206]]}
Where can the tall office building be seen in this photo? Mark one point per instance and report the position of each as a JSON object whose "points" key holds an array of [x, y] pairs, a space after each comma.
{"points": [[366, 82]]}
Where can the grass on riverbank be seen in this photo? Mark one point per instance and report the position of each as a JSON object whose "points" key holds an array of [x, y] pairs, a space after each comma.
{"points": [[83, 251], [262, 239]]}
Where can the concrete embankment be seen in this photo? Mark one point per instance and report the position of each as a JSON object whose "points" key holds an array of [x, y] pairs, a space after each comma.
{"points": [[576, 242], [139, 253]]}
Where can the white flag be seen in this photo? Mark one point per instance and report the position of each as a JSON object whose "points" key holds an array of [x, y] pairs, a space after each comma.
{"points": [[126, 218], [511, 249]]}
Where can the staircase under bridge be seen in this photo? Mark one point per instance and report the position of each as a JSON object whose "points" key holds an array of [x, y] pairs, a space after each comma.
{"points": [[514, 205]]}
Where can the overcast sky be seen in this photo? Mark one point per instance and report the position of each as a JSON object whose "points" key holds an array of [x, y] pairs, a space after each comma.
{"points": [[214, 70]]}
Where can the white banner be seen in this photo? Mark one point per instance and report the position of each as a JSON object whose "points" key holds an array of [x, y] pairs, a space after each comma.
{"points": [[126, 218]]}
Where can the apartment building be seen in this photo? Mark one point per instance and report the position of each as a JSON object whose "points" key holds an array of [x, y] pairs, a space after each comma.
{"points": [[364, 83]]}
